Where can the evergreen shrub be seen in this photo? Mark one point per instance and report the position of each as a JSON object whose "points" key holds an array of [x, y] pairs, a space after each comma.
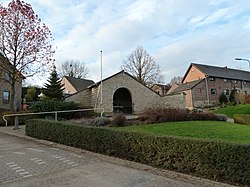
{"points": [[242, 119]]}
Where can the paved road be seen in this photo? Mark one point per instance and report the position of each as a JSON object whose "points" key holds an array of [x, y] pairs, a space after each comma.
{"points": [[29, 163], [21, 159]]}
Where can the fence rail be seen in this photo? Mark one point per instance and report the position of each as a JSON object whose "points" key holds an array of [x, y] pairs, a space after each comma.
{"points": [[101, 110]]}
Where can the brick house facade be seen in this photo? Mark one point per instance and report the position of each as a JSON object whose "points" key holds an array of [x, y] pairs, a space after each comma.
{"points": [[122, 92], [204, 84], [5, 87]]}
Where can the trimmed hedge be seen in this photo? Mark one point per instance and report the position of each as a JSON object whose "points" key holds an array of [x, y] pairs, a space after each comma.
{"points": [[52, 105], [242, 119], [220, 161]]}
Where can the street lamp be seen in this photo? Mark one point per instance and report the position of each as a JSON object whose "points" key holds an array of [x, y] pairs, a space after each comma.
{"points": [[101, 88], [244, 60]]}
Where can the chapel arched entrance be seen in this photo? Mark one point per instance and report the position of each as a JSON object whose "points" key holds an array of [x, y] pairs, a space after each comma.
{"points": [[122, 101]]}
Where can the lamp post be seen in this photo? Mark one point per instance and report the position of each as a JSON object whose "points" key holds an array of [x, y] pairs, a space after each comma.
{"points": [[71, 70], [101, 88], [244, 60]]}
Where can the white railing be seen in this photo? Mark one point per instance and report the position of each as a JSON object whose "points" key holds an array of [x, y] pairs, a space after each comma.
{"points": [[101, 110]]}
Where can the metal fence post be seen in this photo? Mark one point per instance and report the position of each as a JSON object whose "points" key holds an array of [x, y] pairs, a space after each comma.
{"points": [[56, 116], [16, 123]]}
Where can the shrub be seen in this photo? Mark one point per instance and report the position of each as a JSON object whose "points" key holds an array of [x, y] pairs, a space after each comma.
{"points": [[205, 116], [118, 120], [52, 105], [101, 121], [160, 115], [241, 98], [55, 105], [242, 119], [98, 121], [233, 96], [84, 114], [223, 99], [221, 161]]}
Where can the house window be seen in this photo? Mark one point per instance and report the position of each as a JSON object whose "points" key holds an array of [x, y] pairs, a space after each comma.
{"points": [[225, 80], [213, 91], [226, 92], [235, 81], [6, 76], [212, 79], [6, 96], [244, 82]]}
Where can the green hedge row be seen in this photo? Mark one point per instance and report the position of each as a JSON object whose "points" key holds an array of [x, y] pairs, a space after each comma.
{"points": [[52, 105], [224, 162], [242, 119]]}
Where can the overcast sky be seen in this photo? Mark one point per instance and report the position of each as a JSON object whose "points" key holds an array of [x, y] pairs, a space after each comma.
{"points": [[174, 32]]}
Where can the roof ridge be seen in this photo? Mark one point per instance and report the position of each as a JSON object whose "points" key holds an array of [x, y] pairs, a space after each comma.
{"points": [[220, 67]]}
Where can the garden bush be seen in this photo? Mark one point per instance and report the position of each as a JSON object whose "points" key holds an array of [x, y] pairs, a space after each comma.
{"points": [[223, 99], [98, 121], [242, 119], [221, 161], [118, 120], [52, 105], [55, 105], [160, 115]]}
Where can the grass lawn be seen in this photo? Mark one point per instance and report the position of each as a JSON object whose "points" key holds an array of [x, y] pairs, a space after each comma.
{"points": [[231, 110], [214, 130]]}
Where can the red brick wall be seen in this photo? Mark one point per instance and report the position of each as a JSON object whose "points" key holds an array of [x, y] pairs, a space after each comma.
{"points": [[199, 92], [194, 74]]}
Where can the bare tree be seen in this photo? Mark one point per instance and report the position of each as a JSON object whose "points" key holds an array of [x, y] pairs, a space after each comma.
{"points": [[142, 66], [25, 44], [176, 80], [73, 68]]}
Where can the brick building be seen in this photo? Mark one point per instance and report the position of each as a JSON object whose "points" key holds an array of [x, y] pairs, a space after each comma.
{"points": [[122, 92], [72, 85], [5, 87], [204, 84]]}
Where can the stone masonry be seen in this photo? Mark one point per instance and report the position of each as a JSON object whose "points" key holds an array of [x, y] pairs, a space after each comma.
{"points": [[142, 97]]}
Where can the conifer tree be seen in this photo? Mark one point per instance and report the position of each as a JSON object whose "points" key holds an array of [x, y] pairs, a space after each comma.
{"points": [[54, 89]]}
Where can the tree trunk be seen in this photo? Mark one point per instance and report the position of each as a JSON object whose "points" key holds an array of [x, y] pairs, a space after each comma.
{"points": [[12, 97]]}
